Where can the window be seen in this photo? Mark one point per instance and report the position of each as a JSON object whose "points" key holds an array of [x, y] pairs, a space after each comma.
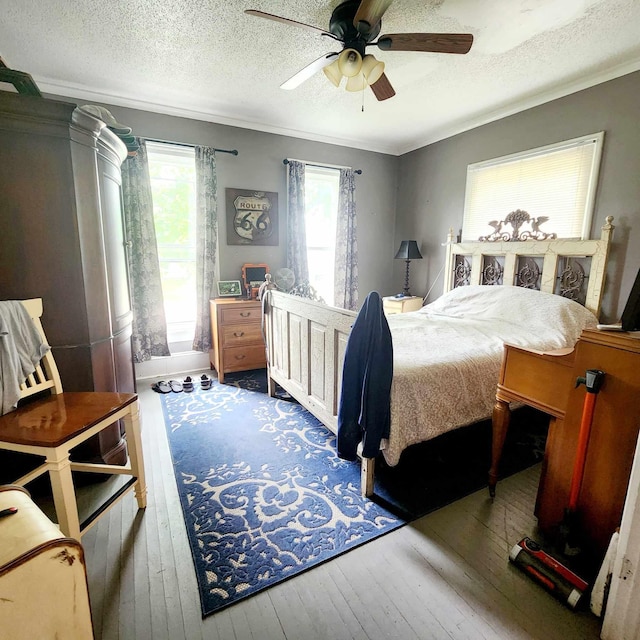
{"points": [[322, 187], [557, 181], [173, 181]]}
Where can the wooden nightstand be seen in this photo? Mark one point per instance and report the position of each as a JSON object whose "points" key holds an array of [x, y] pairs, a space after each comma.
{"points": [[392, 305], [236, 333]]}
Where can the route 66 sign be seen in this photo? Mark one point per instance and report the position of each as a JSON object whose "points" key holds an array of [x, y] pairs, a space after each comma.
{"points": [[252, 217]]}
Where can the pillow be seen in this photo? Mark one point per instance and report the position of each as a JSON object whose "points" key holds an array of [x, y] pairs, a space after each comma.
{"points": [[515, 305]]}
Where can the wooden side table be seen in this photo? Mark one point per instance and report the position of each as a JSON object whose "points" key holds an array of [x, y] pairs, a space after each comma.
{"points": [[236, 332], [538, 379], [392, 305], [547, 382]]}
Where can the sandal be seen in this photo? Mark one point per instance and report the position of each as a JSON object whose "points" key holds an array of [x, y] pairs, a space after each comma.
{"points": [[205, 381], [175, 386], [161, 387], [187, 385]]}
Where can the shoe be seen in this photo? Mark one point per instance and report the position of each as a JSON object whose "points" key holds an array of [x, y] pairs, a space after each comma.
{"points": [[205, 381], [175, 386], [187, 385], [161, 387]]}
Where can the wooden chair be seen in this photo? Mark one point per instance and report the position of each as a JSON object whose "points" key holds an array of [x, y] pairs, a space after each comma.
{"points": [[52, 426]]}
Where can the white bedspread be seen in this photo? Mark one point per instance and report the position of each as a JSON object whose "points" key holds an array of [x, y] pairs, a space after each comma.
{"points": [[447, 356]]}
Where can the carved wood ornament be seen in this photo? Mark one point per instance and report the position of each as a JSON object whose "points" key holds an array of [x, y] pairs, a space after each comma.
{"points": [[516, 219]]}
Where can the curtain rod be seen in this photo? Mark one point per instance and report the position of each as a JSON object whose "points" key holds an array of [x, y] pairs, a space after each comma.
{"points": [[324, 166], [233, 152]]}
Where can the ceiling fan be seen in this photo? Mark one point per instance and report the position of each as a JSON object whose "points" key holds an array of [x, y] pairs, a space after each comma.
{"points": [[355, 25]]}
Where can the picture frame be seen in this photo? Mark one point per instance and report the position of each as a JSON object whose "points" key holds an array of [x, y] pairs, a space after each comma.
{"points": [[252, 217], [253, 276], [229, 288]]}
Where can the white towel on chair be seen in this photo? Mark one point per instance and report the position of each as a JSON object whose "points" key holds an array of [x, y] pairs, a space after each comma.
{"points": [[21, 348]]}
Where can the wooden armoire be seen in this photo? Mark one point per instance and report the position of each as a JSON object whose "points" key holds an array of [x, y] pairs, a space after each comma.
{"points": [[62, 240]]}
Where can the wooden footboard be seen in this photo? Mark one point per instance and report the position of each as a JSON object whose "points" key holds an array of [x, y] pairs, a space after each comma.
{"points": [[306, 341]]}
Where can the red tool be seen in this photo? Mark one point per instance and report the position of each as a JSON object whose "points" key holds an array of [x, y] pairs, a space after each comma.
{"points": [[593, 381], [527, 554], [547, 571]]}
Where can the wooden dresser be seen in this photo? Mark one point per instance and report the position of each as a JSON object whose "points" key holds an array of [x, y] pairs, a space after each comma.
{"points": [[236, 331], [547, 382]]}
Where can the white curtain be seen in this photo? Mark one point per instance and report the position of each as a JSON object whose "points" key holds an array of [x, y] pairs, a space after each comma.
{"points": [[296, 228], [149, 322], [346, 258], [206, 242]]}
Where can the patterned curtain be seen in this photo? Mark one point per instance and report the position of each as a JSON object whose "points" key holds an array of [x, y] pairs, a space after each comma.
{"points": [[296, 232], [345, 283], [206, 242], [149, 323]]}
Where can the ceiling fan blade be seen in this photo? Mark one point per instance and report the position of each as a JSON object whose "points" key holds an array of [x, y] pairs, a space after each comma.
{"points": [[270, 16], [382, 88], [430, 42], [308, 71], [369, 12]]}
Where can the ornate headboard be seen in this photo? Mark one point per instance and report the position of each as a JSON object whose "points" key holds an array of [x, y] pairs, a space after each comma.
{"points": [[571, 268]]}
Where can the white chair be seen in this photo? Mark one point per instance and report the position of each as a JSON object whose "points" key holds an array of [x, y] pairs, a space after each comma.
{"points": [[52, 426]]}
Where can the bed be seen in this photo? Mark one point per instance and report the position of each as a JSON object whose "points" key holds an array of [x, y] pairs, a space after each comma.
{"points": [[447, 355]]}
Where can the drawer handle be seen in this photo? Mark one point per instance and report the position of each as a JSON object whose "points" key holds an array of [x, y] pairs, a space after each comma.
{"points": [[238, 334], [245, 314], [241, 357]]}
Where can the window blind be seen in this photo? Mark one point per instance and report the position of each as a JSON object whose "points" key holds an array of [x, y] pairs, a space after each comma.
{"points": [[557, 181]]}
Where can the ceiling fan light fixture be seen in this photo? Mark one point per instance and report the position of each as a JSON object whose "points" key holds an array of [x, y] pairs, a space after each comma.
{"points": [[350, 63], [356, 83], [333, 73], [372, 69]]}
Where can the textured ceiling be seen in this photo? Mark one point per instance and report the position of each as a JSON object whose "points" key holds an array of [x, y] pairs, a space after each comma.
{"points": [[206, 59]]}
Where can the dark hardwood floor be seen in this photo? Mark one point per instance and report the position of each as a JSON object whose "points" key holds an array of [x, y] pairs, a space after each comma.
{"points": [[445, 576]]}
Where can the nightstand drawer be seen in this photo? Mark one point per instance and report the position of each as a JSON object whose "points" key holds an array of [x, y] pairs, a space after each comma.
{"points": [[233, 316], [243, 358], [240, 334]]}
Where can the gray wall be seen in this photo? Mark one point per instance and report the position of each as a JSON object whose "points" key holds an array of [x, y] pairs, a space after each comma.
{"points": [[421, 194], [259, 166], [431, 180]]}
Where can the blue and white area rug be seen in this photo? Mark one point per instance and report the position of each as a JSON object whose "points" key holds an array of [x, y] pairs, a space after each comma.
{"points": [[263, 493]]}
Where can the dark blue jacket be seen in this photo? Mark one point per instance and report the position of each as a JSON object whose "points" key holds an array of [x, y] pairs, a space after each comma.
{"points": [[364, 412]]}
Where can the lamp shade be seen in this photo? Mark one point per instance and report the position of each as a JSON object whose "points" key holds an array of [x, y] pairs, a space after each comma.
{"points": [[408, 251], [372, 69], [350, 63], [333, 73], [357, 83]]}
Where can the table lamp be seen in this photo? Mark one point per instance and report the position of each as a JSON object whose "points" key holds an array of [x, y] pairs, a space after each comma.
{"points": [[408, 251]]}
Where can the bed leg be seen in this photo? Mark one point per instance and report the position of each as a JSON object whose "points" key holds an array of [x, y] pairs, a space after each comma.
{"points": [[271, 386], [367, 468], [500, 425]]}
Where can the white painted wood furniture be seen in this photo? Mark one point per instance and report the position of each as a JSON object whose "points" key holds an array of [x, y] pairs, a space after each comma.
{"points": [[43, 581], [550, 252], [622, 613], [52, 426], [306, 340]]}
